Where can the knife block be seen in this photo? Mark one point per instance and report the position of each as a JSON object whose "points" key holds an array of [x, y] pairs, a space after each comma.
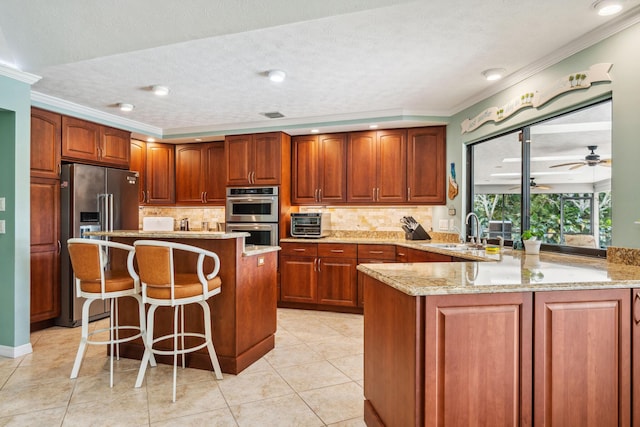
{"points": [[418, 234]]}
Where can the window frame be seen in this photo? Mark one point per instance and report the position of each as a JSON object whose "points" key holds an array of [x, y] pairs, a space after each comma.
{"points": [[524, 137]]}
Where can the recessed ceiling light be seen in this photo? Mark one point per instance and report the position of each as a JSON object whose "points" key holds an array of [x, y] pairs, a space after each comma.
{"points": [[125, 107], [160, 90], [493, 73], [151, 139], [277, 76], [315, 130], [373, 126], [607, 7]]}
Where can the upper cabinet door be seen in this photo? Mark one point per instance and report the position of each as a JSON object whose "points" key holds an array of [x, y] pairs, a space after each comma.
{"points": [[305, 186], [215, 173], [361, 174], [332, 168], [267, 158], [45, 143], [138, 163], [189, 174], [238, 149], [80, 139], [426, 168], [160, 177], [391, 178], [116, 147]]}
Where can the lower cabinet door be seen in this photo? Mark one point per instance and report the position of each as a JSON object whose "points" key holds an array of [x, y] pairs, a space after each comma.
{"points": [[298, 279], [337, 281], [581, 362], [635, 361], [478, 360]]}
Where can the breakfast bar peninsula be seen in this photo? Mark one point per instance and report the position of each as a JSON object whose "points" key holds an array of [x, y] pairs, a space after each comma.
{"points": [[517, 340], [243, 315]]}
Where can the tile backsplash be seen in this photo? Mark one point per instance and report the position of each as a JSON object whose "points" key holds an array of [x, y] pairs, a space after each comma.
{"points": [[367, 218]]}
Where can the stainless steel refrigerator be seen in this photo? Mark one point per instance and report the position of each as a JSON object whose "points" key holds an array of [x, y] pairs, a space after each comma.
{"points": [[93, 198]]}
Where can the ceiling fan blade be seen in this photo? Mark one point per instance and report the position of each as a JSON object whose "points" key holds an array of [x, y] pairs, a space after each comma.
{"points": [[567, 164], [579, 165], [543, 187], [605, 163]]}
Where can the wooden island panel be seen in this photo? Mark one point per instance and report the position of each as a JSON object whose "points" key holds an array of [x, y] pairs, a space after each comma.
{"points": [[243, 315]]}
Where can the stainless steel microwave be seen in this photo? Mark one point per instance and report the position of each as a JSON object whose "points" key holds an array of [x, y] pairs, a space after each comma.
{"points": [[310, 224]]}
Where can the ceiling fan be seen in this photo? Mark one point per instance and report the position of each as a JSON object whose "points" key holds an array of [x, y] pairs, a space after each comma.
{"points": [[591, 159], [533, 185]]}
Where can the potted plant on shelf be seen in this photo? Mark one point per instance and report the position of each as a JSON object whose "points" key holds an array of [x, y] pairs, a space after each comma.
{"points": [[532, 240]]}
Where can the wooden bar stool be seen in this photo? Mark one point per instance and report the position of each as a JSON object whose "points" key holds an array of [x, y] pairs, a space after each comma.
{"points": [[96, 281], [162, 286]]}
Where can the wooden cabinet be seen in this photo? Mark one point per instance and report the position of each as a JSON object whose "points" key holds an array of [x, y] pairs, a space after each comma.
{"points": [[46, 128], [138, 163], [45, 248], [319, 169], [415, 255], [545, 358], [377, 167], [478, 360], [426, 165], [582, 358], [92, 143], [159, 174], [337, 278], [372, 254], [46, 135], [200, 173], [257, 159], [319, 274]]}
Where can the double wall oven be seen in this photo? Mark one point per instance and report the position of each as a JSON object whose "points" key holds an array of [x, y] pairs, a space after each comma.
{"points": [[254, 210]]}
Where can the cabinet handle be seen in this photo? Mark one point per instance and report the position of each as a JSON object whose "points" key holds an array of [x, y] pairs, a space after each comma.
{"points": [[376, 252], [299, 249], [373, 191], [315, 195], [378, 194], [401, 254], [319, 194], [635, 303], [59, 247], [408, 193], [59, 167], [319, 262], [205, 197], [337, 251]]}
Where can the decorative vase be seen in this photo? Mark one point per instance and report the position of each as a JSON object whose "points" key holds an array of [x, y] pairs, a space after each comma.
{"points": [[532, 246]]}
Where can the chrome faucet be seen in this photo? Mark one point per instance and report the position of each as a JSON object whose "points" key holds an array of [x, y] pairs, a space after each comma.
{"points": [[478, 231]]}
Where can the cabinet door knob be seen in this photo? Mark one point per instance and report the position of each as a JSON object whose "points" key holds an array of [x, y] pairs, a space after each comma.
{"points": [[635, 303]]}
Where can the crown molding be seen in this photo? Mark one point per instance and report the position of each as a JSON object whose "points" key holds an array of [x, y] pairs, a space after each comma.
{"points": [[589, 39], [15, 74], [62, 106]]}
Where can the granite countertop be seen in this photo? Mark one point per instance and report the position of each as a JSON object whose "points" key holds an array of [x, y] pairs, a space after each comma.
{"points": [[170, 234], [249, 250], [423, 245], [512, 271]]}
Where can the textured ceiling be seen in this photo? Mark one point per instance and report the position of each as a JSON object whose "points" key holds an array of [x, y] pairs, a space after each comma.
{"points": [[348, 62]]}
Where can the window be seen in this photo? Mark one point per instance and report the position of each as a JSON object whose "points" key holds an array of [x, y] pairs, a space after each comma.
{"points": [[565, 164]]}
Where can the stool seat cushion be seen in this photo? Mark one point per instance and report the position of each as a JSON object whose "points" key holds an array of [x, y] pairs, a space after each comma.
{"points": [[114, 281], [186, 285]]}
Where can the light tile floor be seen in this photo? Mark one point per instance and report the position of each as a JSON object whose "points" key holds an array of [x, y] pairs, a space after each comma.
{"points": [[313, 377]]}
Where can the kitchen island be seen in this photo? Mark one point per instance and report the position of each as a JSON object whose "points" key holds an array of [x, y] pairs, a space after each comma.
{"points": [[243, 315], [546, 339]]}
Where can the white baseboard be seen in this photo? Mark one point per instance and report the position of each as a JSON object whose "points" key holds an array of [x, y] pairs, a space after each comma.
{"points": [[14, 352]]}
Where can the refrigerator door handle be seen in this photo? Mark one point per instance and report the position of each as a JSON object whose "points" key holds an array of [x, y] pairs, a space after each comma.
{"points": [[110, 203]]}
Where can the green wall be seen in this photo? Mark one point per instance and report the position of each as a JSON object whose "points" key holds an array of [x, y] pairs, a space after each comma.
{"points": [[15, 128], [620, 50]]}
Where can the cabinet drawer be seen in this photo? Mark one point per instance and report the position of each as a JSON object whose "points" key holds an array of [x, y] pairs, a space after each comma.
{"points": [[300, 249], [337, 250], [382, 252]]}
